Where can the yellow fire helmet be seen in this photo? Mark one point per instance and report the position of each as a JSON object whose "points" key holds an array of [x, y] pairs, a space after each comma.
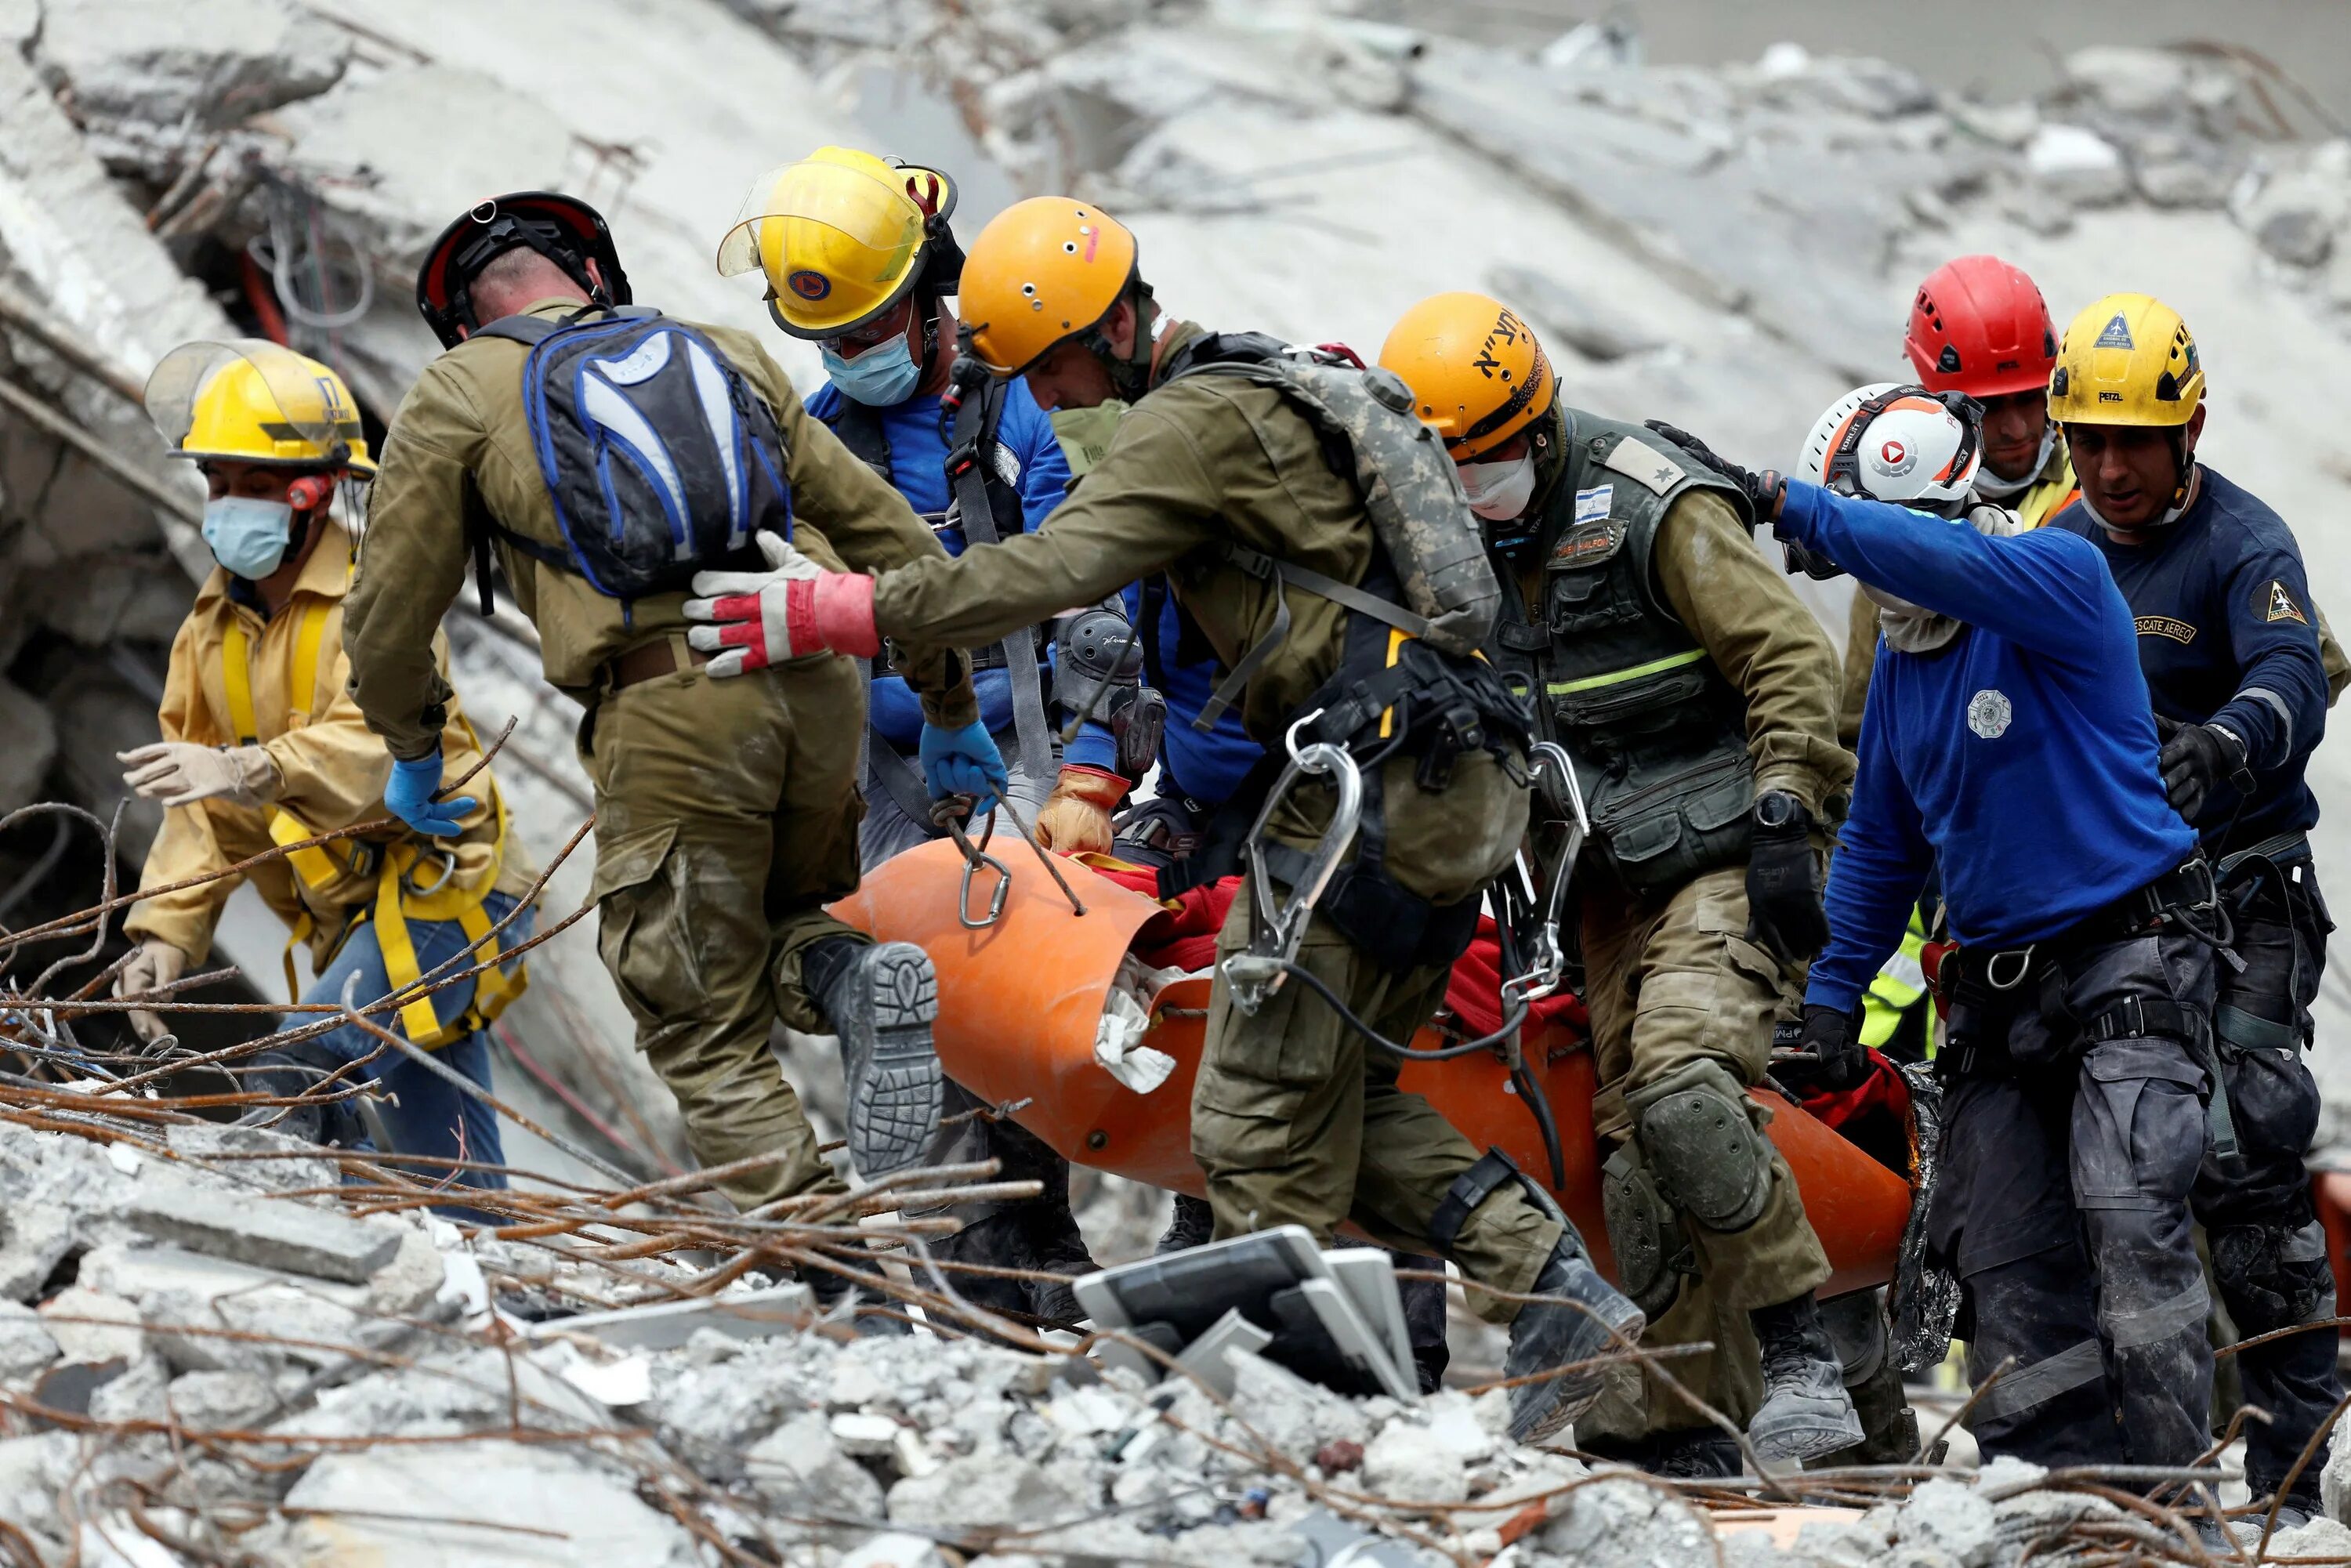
{"points": [[1042, 271], [2128, 360], [252, 400], [1475, 371], [841, 234]]}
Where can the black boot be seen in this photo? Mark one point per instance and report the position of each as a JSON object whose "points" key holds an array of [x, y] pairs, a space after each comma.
{"points": [[1806, 1411], [871, 1315], [1423, 1320], [287, 1071], [881, 998], [1548, 1334], [1193, 1224]]}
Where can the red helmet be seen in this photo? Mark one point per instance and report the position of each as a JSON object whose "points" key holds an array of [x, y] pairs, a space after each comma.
{"points": [[1979, 327], [564, 229]]}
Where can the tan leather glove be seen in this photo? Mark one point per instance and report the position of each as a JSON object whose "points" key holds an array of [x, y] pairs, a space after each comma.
{"points": [[156, 964], [180, 774], [1075, 817]]}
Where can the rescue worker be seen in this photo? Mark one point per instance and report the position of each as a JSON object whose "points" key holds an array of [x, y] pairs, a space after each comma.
{"points": [[1979, 326], [2074, 1066], [2229, 640], [1697, 697], [1222, 471], [887, 342], [726, 810], [261, 745]]}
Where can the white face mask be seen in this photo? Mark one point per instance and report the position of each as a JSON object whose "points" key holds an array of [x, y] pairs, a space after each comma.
{"points": [[1499, 491], [1911, 629]]}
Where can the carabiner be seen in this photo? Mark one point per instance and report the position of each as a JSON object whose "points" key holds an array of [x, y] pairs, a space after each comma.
{"points": [[950, 814], [1257, 973], [1547, 961], [2023, 956], [448, 870]]}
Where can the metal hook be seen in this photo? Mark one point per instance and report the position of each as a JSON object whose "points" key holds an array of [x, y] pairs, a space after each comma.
{"points": [[949, 814], [1547, 960], [1257, 973]]}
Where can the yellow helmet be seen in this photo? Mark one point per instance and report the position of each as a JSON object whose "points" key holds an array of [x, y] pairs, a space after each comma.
{"points": [[1043, 270], [841, 234], [2128, 360], [1474, 370], [252, 400]]}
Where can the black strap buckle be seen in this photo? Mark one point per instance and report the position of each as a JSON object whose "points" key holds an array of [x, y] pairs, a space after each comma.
{"points": [[1470, 1189]]}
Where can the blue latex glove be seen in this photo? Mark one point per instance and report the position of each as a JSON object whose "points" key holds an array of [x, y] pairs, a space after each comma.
{"points": [[962, 762], [410, 797]]}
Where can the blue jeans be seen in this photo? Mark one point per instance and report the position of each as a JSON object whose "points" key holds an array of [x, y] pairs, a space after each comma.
{"points": [[426, 1114]]}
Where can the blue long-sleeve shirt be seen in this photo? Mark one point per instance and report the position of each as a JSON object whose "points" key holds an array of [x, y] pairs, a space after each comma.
{"points": [[1206, 766], [2021, 757], [918, 436], [2227, 636]]}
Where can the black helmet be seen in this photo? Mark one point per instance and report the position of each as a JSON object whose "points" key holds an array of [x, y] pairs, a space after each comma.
{"points": [[564, 229]]}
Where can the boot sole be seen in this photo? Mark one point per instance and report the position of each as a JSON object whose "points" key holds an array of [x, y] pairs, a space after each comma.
{"points": [[1576, 1394], [1807, 1441], [895, 1103]]}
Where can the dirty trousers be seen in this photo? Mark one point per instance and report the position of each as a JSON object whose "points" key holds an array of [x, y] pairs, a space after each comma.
{"points": [[2269, 1252], [2063, 1206], [726, 815], [1668, 982], [1297, 1121]]}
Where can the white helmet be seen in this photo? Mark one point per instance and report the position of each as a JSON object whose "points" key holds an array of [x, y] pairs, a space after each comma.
{"points": [[1899, 443]]}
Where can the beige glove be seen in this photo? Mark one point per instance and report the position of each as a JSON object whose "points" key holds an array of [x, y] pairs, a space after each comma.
{"points": [[180, 774], [156, 964], [1075, 817]]}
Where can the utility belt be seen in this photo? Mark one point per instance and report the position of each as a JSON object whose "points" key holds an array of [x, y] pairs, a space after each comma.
{"points": [[1989, 990]]}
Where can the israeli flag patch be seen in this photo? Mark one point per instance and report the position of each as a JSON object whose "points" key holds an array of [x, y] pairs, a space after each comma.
{"points": [[1592, 505]]}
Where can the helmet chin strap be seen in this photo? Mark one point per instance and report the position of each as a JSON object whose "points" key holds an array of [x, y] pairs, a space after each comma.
{"points": [[2182, 493]]}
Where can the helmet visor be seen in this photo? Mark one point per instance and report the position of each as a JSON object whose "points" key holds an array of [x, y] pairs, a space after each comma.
{"points": [[821, 230], [253, 401]]}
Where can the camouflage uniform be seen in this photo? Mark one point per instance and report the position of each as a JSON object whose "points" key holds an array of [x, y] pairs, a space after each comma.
{"points": [[1290, 1120], [726, 810]]}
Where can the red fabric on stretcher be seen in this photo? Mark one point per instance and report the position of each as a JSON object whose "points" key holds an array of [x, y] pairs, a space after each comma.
{"points": [[1185, 938], [1884, 1093]]}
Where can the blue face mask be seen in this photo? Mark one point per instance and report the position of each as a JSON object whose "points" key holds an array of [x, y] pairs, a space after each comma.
{"points": [[248, 534], [882, 377]]}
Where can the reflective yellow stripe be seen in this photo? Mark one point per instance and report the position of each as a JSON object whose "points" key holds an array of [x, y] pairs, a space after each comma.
{"points": [[1897, 988], [1654, 666], [1396, 640]]}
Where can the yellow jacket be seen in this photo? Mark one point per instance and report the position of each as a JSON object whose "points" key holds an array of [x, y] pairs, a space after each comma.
{"points": [[333, 768]]}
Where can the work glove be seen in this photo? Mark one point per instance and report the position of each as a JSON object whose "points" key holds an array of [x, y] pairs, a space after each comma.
{"points": [[409, 796], [2195, 760], [1075, 817], [755, 619], [1783, 881], [156, 964], [1749, 483], [962, 762], [1833, 1034], [178, 773]]}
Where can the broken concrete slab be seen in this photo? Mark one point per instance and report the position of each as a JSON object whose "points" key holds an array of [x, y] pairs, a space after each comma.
{"points": [[466, 1504], [984, 1491], [92, 1325], [749, 1315], [266, 1235], [26, 1344], [135, 70], [805, 1470]]}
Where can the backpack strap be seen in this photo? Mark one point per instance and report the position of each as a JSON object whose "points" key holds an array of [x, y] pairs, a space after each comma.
{"points": [[971, 459], [530, 332], [1270, 568], [861, 430]]}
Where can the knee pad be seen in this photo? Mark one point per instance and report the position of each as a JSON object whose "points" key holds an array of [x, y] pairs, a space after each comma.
{"points": [[2273, 1278], [1702, 1139], [1644, 1232]]}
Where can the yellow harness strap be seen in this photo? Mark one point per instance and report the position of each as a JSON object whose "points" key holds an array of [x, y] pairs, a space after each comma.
{"points": [[314, 865]]}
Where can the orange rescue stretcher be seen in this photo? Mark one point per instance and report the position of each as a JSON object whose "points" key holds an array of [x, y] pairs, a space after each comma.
{"points": [[1020, 999]]}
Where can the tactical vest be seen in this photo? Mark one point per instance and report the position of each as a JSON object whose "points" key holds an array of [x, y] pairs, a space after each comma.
{"points": [[1657, 735]]}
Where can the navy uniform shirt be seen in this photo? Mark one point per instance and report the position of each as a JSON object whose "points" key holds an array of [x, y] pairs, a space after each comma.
{"points": [[2227, 635]]}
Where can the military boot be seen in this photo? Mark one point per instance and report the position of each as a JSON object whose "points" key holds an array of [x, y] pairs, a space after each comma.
{"points": [[1806, 1411], [290, 1072], [1590, 1319], [1191, 1224], [881, 998]]}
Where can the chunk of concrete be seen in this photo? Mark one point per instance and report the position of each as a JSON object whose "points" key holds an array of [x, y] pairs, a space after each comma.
{"points": [[91, 1325], [2077, 165], [1411, 1463], [465, 1504], [983, 1491], [1949, 1517], [26, 1344], [896, 1550], [1626, 1524], [751, 1315], [804, 1471], [160, 65], [1294, 1416], [292, 1165], [264, 1234]]}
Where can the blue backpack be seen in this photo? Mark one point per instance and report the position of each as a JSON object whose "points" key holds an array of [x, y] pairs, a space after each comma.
{"points": [[660, 460]]}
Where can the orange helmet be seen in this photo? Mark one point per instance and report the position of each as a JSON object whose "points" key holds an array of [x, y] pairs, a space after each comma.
{"points": [[1477, 374], [1042, 272]]}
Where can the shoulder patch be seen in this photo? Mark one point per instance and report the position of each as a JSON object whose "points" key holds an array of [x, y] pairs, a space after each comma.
{"points": [[1592, 505], [1587, 544], [2116, 336], [1644, 465], [2281, 606], [2178, 631]]}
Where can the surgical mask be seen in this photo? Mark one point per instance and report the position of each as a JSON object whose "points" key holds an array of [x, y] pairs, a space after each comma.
{"points": [[1085, 432], [248, 534], [882, 377], [1499, 491]]}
